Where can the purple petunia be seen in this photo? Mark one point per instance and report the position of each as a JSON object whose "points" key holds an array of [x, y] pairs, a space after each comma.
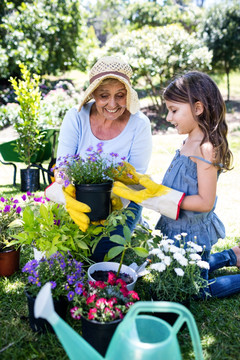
{"points": [[7, 208]]}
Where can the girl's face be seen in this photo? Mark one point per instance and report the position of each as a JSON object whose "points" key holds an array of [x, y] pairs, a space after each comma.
{"points": [[180, 115], [111, 100]]}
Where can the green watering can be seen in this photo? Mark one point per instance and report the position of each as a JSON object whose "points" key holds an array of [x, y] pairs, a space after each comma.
{"points": [[137, 337]]}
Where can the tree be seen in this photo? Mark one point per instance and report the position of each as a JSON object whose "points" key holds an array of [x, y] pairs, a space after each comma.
{"points": [[221, 32], [42, 34], [156, 54], [144, 13]]}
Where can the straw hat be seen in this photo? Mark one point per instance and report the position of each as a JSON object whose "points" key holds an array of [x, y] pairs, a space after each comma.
{"points": [[116, 68]]}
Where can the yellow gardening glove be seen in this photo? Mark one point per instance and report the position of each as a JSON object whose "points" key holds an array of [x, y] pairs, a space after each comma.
{"points": [[66, 196], [155, 196], [76, 209], [127, 174]]}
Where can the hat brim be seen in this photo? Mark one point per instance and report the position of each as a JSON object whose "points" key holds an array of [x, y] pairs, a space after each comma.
{"points": [[133, 104]]}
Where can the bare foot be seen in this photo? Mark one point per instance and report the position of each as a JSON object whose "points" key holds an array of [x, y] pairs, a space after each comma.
{"points": [[236, 250]]}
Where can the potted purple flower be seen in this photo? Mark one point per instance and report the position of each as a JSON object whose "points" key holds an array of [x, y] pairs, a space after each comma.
{"points": [[10, 224], [66, 276], [92, 176]]}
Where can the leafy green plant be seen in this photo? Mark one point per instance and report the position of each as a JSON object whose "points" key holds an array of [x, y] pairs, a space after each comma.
{"points": [[124, 242], [50, 228], [29, 96]]}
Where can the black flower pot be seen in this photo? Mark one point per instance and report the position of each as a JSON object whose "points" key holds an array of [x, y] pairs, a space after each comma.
{"points": [[98, 197], [41, 325], [98, 334], [29, 180]]}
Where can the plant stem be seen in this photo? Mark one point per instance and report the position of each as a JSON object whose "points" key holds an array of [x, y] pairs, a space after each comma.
{"points": [[121, 261]]}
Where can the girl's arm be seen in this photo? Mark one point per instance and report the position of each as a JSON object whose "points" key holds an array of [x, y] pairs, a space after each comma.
{"points": [[207, 187]]}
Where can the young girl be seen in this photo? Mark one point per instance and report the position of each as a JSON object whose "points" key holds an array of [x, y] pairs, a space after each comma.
{"points": [[196, 108]]}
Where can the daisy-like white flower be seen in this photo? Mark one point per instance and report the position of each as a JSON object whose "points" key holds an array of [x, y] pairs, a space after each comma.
{"points": [[179, 271], [180, 258], [174, 249], [155, 251], [203, 264], [196, 247], [195, 257], [167, 260], [160, 267], [184, 234], [178, 237]]}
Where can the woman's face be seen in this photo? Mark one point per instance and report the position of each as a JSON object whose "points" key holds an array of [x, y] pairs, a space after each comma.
{"points": [[111, 99]]}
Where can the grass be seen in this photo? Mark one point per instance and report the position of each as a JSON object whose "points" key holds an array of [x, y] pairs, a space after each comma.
{"points": [[217, 319]]}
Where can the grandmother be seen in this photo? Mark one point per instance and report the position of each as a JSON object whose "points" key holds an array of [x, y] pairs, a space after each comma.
{"points": [[108, 113]]}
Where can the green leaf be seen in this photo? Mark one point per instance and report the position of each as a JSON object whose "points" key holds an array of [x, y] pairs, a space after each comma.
{"points": [[140, 251], [44, 212], [82, 245], [127, 234], [118, 239], [115, 251]]}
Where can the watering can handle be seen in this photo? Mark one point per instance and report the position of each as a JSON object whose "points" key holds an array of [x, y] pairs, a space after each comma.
{"points": [[165, 306]]}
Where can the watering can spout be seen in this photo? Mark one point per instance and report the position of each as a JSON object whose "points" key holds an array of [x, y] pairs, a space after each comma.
{"points": [[75, 346]]}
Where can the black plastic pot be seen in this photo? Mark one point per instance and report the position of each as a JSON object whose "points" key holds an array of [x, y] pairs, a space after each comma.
{"points": [[29, 179], [98, 197], [98, 334], [9, 262], [41, 325]]}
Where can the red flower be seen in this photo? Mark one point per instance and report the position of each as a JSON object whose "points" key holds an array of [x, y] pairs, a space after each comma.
{"points": [[119, 312], [100, 284], [133, 294], [92, 314], [91, 299], [124, 291], [73, 311], [109, 311], [111, 278], [123, 283]]}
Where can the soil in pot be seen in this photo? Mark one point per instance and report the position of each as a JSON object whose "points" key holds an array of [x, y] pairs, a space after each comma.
{"points": [[102, 275], [9, 262]]}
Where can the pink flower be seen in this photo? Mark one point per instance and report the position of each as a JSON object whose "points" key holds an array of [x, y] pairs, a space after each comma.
{"points": [[133, 294], [130, 303], [120, 281], [92, 314], [73, 311], [100, 301], [109, 311], [118, 311], [111, 278], [100, 284], [124, 291], [91, 299]]}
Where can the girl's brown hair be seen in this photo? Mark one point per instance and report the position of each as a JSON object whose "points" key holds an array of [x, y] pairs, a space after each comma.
{"points": [[196, 86]]}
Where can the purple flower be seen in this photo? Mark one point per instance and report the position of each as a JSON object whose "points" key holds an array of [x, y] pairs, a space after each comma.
{"points": [[70, 279], [70, 295], [66, 183], [2, 199], [29, 193], [19, 209], [53, 284], [7, 208], [90, 148], [114, 154]]}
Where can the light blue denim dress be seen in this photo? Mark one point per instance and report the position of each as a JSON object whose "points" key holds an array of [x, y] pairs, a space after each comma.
{"points": [[207, 227]]}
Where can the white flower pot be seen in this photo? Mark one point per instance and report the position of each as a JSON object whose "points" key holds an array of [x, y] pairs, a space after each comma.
{"points": [[113, 266]]}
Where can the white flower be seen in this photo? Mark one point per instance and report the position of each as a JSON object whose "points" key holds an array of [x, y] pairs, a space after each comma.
{"points": [[160, 267], [160, 255], [156, 233], [203, 264], [174, 249], [180, 258], [195, 257], [184, 234], [196, 247], [179, 271], [178, 237], [167, 260], [154, 251]]}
